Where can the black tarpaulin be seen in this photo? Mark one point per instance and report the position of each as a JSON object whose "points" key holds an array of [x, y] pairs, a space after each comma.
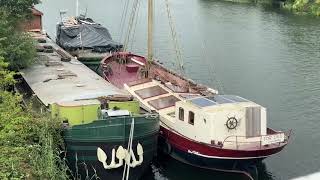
{"points": [[87, 36]]}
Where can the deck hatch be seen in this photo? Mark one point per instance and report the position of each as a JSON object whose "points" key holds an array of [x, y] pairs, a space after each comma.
{"points": [[150, 92], [164, 102]]}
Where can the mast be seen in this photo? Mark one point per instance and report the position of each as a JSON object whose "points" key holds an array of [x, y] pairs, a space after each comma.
{"points": [[150, 34], [77, 8]]}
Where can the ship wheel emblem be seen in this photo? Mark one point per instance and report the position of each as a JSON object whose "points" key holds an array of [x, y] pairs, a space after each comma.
{"points": [[232, 123]]}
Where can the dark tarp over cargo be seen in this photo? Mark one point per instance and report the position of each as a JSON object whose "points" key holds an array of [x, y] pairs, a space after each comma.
{"points": [[87, 36]]}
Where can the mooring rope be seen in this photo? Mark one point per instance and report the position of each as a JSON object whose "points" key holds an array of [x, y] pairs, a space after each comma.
{"points": [[126, 169]]}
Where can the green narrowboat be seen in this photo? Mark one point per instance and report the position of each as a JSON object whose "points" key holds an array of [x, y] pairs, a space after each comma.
{"points": [[106, 133]]}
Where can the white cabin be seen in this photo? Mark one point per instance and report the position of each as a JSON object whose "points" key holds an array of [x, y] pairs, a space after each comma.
{"points": [[213, 119], [219, 119]]}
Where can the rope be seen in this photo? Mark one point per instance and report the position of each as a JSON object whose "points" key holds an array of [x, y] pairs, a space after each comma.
{"points": [[174, 38], [126, 169], [212, 78], [131, 21], [123, 18], [135, 25]]}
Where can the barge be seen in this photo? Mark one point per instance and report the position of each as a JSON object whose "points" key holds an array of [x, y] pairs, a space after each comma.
{"points": [[85, 39], [106, 134]]}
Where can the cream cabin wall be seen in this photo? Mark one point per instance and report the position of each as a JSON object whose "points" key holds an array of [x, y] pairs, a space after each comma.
{"points": [[198, 131], [219, 117]]}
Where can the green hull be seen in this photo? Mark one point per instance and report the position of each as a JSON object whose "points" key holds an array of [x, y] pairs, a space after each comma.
{"points": [[82, 142], [93, 64]]}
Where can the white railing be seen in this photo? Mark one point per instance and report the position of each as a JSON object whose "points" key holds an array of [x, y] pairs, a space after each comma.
{"points": [[273, 138]]}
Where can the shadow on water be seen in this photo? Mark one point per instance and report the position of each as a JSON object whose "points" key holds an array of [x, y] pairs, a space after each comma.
{"points": [[167, 168]]}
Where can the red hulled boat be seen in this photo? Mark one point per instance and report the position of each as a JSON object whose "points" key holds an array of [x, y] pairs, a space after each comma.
{"points": [[198, 126]]}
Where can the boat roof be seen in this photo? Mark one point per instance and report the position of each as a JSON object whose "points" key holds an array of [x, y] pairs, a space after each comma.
{"points": [[55, 81], [216, 100], [159, 97]]}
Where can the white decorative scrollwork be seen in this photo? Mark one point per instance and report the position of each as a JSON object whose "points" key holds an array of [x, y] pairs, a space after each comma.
{"points": [[122, 155]]}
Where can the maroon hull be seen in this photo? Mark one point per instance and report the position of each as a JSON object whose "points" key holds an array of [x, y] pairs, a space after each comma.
{"points": [[205, 150]]}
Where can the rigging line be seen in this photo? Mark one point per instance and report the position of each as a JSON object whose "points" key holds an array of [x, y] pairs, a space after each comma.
{"points": [[123, 18], [174, 38], [213, 78], [132, 17], [135, 25]]}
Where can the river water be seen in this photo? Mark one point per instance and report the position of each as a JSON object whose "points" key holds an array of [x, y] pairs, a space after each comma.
{"points": [[259, 52]]}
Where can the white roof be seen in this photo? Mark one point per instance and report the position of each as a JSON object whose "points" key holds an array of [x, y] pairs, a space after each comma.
{"points": [[78, 81], [115, 113]]}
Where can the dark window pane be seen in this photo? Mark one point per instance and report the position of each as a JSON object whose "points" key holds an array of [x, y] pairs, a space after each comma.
{"points": [[150, 92], [181, 114], [191, 117], [164, 102]]}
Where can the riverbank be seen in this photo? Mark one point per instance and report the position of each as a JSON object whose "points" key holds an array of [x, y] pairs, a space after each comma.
{"points": [[311, 7], [30, 142], [302, 7]]}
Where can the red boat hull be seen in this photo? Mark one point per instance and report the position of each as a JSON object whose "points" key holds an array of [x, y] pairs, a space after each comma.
{"points": [[193, 148]]}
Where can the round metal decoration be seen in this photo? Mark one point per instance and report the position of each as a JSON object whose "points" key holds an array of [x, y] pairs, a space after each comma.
{"points": [[232, 123]]}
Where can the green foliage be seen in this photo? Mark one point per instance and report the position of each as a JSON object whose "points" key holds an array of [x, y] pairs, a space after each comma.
{"points": [[299, 5], [304, 6], [17, 9], [18, 50], [29, 143], [16, 47], [6, 77], [315, 8]]}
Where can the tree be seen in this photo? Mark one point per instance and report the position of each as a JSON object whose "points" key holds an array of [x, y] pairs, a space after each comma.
{"points": [[6, 76], [17, 9], [16, 47]]}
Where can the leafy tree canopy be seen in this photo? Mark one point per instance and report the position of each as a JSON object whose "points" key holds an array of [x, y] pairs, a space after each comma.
{"points": [[17, 9], [16, 47]]}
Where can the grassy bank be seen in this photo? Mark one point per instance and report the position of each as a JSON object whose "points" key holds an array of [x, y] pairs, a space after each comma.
{"points": [[303, 7], [311, 7], [30, 143]]}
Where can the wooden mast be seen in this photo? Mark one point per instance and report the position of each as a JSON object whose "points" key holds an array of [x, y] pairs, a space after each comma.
{"points": [[150, 35], [77, 8]]}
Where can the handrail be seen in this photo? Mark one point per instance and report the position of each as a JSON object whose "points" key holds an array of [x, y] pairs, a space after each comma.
{"points": [[270, 132]]}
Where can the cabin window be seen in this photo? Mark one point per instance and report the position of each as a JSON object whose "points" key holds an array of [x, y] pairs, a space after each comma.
{"points": [[181, 114], [191, 117]]}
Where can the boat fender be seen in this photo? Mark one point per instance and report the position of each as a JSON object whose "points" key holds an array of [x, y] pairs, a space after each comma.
{"points": [[167, 148]]}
